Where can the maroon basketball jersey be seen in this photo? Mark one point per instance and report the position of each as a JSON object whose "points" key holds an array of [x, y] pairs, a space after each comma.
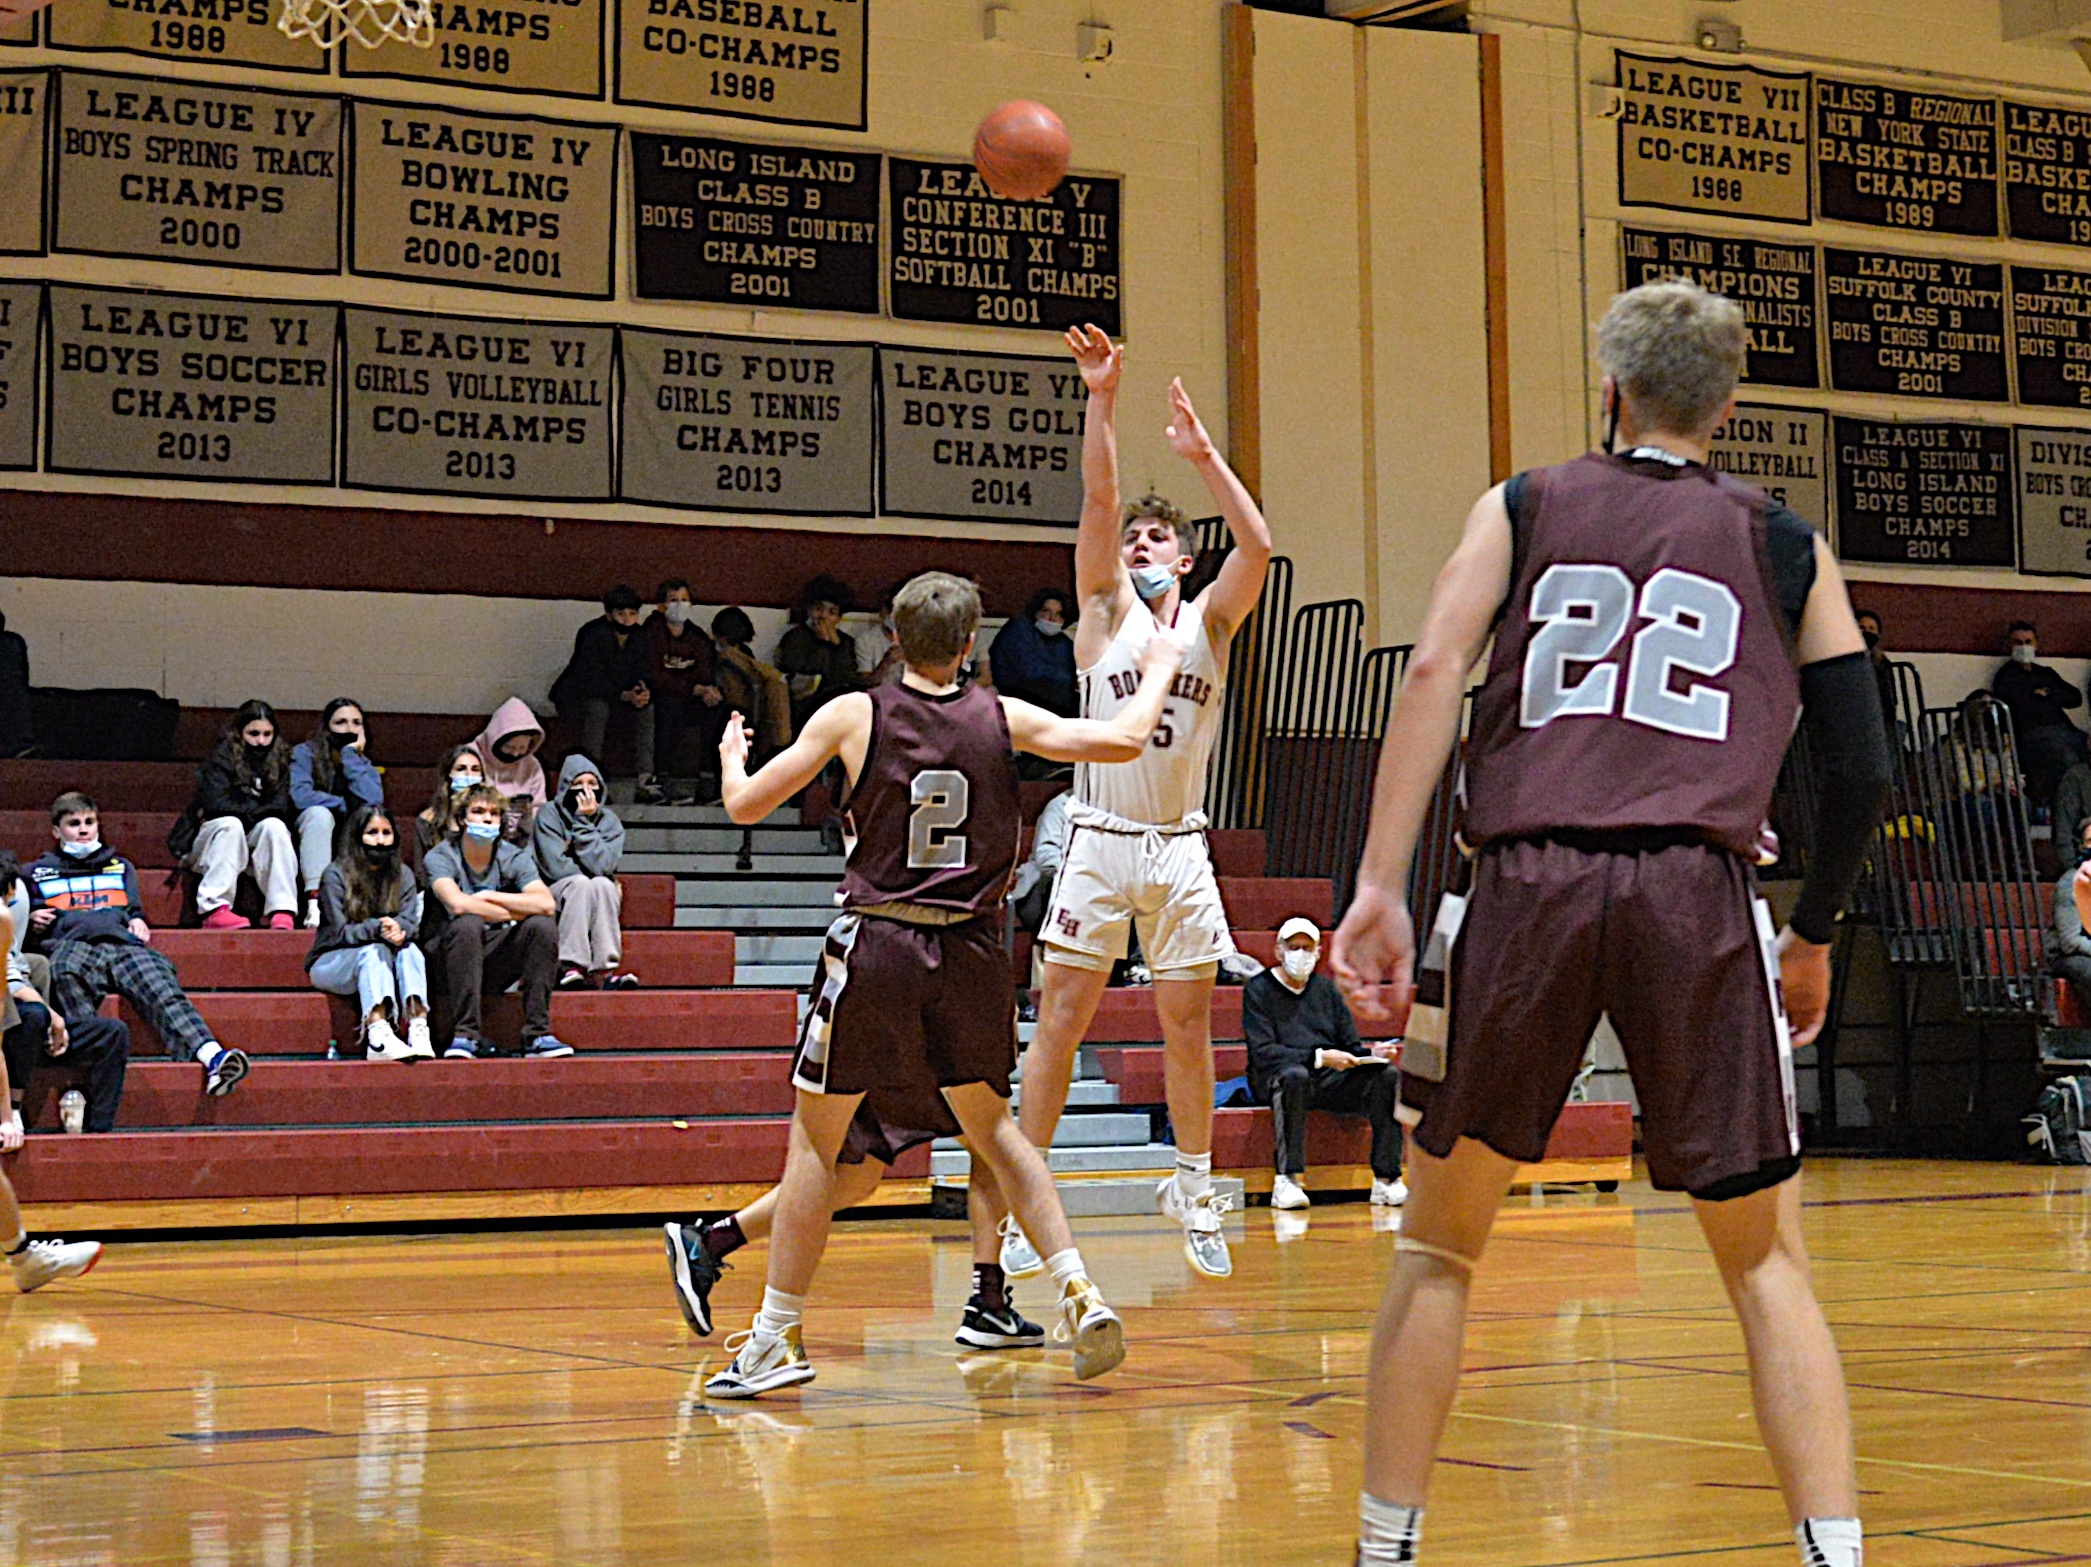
{"points": [[1643, 674], [936, 810]]}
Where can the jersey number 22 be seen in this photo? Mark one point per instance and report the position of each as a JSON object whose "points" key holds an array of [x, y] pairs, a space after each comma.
{"points": [[1582, 612]]}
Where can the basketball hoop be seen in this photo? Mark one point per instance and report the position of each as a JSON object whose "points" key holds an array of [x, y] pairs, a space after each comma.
{"points": [[331, 23]]}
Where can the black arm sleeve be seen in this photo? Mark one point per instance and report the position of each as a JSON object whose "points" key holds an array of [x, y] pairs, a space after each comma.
{"points": [[1848, 741]]}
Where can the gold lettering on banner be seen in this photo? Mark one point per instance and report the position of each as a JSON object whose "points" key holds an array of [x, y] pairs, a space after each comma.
{"points": [[798, 63], [1713, 138]]}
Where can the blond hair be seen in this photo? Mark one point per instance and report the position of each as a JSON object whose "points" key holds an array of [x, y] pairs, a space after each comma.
{"points": [[1677, 351], [1162, 509], [933, 616]]}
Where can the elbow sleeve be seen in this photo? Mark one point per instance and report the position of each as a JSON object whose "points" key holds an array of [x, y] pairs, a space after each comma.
{"points": [[1848, 746]]}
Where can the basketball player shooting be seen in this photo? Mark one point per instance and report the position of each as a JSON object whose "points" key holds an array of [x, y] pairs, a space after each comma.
{"points": [[1658, 628], [916, 998], [1138, 853]]}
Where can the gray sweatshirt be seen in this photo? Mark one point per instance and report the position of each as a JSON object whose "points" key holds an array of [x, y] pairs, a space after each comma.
{"points": [[570, 844]]}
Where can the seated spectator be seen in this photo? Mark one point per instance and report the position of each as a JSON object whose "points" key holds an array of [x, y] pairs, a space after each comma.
{"points": [[17, 727], [814, 656], [370, 913], [1883, 667], [489, 924], [579, 841], [1976, 770], [755, 690], [1033, 657], [2072, 810], [240, 821], [608, 673], [330, 775], [84, 915], [1304, 1055], [457, 775], [99, 1047], [878, 646], [2072, 965], [682, 674], [507, 750], [2040, 701]]}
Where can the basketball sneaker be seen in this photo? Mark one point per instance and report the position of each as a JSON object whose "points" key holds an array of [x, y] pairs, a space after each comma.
{"points": [[1091, 1327], [1020, 1259], [1286, 1192], [691, 1266], [762, 1363], [38, 1263], [1000, 1328], [1204, 1239], [1389, 1194], [225, 1073]]}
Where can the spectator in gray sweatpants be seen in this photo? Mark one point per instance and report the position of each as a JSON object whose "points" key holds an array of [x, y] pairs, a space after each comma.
{"points": [[579, 842]]}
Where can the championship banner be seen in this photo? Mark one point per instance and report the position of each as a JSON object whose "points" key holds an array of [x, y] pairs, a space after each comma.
{"points": [[456, 406], [534, 46], [801, 64], [1784, 452], [746, 424], [980, 437], [738, 223], [1774, 284], [182, 386], [1926, 162], [20, 304], [2054, 502], [179, 171], [1713, 138], [1916, 326], [20, 34], [2051, 336], [483, 200], [1924, 494], [224, 32], [2047, 173], [25, 113], [962, 253]]}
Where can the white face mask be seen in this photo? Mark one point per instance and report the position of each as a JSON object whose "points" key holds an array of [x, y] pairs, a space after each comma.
{"points": [[678, 613], [2025, 652], [1299, 963], [83, 851], [1151, 582], [1048, 628]]}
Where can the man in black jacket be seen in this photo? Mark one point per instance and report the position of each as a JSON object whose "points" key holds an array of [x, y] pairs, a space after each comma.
{"points": [[608, 673], [1304, 1055], [2040, 701]]}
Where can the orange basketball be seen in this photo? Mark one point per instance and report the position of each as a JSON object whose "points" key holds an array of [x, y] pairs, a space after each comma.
{"points": [[1022, 150]]}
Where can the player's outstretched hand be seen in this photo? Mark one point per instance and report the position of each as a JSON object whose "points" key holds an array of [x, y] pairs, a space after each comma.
{"points": [[1187, 437], [1804, 982], [733, 743], [1164, 653], [1373, 953], [1099, 359]]}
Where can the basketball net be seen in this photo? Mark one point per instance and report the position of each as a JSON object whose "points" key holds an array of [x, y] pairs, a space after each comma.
{"points": [[331, 23]]}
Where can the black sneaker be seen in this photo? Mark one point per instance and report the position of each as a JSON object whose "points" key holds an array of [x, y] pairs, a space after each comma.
{"points": [[694, 1272], [650, 793], [1003, 1329]]}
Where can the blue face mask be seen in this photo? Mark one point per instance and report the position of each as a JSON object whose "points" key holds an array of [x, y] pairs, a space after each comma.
{"points": [[1151, 582], [482, 832], [460, 782]]}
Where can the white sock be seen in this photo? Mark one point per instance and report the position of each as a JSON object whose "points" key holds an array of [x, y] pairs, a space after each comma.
{"points": [[1831, 1542], [207, 1055], [779, 1311], [1193, 1175], [1387, 1534], [1065, 1265]]}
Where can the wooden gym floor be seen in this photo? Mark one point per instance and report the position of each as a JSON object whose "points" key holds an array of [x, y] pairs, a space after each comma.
{"points": [[465, 1400]]}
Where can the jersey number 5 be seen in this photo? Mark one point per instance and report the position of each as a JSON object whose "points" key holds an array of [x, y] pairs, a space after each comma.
{"points": [[1693, 625], [941, 797]]}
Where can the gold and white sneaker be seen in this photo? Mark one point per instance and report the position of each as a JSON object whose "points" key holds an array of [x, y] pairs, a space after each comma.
{"points": [[1204, 1240], [1091, 1327], [762, 1363], [1020, 1259]]}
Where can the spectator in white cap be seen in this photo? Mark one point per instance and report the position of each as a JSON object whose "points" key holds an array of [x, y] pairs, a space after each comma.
{"points": [[1304, 1055]]}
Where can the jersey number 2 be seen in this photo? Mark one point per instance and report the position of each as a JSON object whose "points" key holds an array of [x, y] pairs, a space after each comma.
{"points": [[941, 797], [1693, 625]]}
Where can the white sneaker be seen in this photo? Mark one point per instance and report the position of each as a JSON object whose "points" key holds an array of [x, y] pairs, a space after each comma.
{"points": [[1091, 1327], [38, 1263], [762, 1363], [1204, 1241], [380, 1043], [312, 914], [418, 1041], [1389, 1194], [72, 1112], [1286, 1192], [1020, 1259]]}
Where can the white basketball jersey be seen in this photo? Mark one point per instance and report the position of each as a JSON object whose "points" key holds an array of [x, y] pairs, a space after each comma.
{"points": [[1167, 783]]}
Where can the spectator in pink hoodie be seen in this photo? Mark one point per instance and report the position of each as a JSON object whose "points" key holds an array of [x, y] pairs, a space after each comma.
{"points": [[507, 750]]}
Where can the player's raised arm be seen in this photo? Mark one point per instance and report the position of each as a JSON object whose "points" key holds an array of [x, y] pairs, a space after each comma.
{"points": [[1848, 745], [827, 734], [1118, 739], [1375, 944], [1232, 597], [1101, 582]]}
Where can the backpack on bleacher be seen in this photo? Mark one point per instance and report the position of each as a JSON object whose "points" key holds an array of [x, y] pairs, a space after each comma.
{"points": [[2061, 1121]]}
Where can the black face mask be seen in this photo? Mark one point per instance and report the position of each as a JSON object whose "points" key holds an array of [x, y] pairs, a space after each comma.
{"points": [[340, 739], [258, 756], [1872, 639], [381, 854]]}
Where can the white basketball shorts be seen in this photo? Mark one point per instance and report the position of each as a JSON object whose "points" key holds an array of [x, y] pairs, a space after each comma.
{"points": [[1164, 881]]}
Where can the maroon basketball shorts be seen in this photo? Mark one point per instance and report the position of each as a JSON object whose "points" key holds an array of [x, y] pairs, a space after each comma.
{"points": [[907, 1010], [1676, 946], [887, 1124]]}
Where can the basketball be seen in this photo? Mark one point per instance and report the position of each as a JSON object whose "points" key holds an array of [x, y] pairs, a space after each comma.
{"points": [[1022, 150]]}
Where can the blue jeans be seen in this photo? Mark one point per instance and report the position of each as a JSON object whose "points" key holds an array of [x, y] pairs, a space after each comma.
{"points": [[376, 975]]}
